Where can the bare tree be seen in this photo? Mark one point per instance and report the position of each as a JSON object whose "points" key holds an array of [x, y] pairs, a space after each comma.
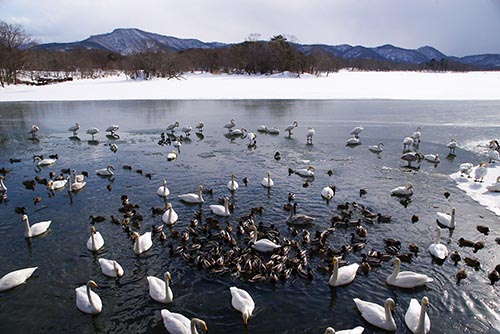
{"points": [[13, 57]]}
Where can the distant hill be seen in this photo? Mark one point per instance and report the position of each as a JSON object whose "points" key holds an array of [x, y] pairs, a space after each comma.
{"points": [[131, 41]]}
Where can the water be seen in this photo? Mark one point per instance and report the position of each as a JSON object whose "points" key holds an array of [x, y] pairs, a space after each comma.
{"points": [[47, 302]]}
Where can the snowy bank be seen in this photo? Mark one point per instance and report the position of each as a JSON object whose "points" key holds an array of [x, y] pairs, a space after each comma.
{"points": [[341, 85]]}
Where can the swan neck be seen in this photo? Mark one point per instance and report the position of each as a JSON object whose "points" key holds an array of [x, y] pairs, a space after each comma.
{"points": [[421, 319], [397, 268], [28, 227], [438, 236], [193, 327], [335, 273], [137, 249], [388, 315], [254, 240], [89, 296], [200, 194], [92, 236], [226, 206]]}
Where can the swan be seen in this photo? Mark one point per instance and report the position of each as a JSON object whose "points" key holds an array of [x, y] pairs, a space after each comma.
{"points": [[403, 191], [438, 249], [353, 141], [44, 162], [3, 187], [494, 186], [305, 172], [252, 138], [267, 181], [447, 220], [221, 210], [355, 330], [377, 315], [309, 135], [192, 197], [35, 229], [87, 300], [232, 185], [407, 143], [169, 217], [480, 172], [176, 323], [112, 129], [172, 156], [93, 132], [327, 193], [406, 279], [187, 129], [34, 129], [298, 219], [262, 128], [200, 126], [493, 155], [452, 145], [356, 131], [159, 289], [95, 241], [376, 148], [238, 132], [15, 278], [57, 184], [412, 156], [108, 171], [465, 168], [291, 127], [343, 275], [242, 302], [163, 191], [171, 127], [75, 129], [230, 125], [434, 158], [416, 135], [110, 268], [273, 130], [75, 186], [416, 318], [142, 243], [263, 245], [78, 177]]}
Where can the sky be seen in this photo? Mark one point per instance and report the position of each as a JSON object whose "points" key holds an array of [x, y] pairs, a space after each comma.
{"points": [[455, 27]]}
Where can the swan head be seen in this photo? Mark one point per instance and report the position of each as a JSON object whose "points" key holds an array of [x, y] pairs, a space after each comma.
{"points": [[111, 167], [134, 235], [93, 230], [168, 277], [311, 168], [409, 185], [425, 301], [169, 206], [203, 324], [396, 262], [92, 284], [24, 218], [453, 210], [329, 330], [389, 303], [295, 123], [335, 261]]}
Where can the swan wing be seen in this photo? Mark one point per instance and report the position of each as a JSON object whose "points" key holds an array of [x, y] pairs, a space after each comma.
{"points": [[408, 279], [241, 300], [347, 274], [157, 289], [163, 191], [39, 228], [83, 303], [412, 317], [108, 267], [371, 312], [355, 330], [176, 323], [438, 250], [15, 278], [145, 241]]}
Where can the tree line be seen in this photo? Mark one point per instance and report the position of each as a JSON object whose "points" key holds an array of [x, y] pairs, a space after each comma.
{"points": [[249, 57]]}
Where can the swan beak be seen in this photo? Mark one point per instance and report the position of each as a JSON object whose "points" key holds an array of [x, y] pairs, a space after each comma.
{"points": [[205, 328], [93, 284], [426, 301], [169, 277]]}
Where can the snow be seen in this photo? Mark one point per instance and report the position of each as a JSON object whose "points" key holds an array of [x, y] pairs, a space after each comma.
{"points": [[342, 85]]}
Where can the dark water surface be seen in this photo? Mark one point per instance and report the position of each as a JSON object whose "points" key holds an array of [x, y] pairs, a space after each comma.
{"points": [[46, 303]]}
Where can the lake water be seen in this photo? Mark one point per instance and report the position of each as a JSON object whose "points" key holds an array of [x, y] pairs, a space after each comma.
{"points": [[46, 303]]}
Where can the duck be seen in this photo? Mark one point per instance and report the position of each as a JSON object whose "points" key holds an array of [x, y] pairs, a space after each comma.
{"points": [[480, 172], [221, 210], [15, 278], [142, 243], [56, 184], [277, 156], [494, 187], [75, 129], [353, 141], [163, 191], [35, 229], [416, 318], [200, 126], [93, 132], [327, 193], [298, 219], [192, 197], [343, 275], [290, 127], [262, 245], [446, 220], [172, 156], [309, 135], [267, 181], [403, 191], [355, 330], [176, 323], [242, 302], [3, 187], [95, 241], [377, 315], [159, 289], [106, 172], [230, 125], [465, 168], [437, 249], [171, 127], [434, 158], [44, 162], [407, 143], [455, 256], [169, 217], [452, 145], [232, 185], [406, 279], [111, 268], [376, 148], [87, 300]]}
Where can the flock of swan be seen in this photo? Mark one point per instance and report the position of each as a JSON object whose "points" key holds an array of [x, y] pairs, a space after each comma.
{"points": [[250, 246]]}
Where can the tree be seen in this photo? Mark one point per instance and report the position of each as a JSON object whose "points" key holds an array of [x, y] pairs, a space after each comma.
{"points": [[13, 57]]}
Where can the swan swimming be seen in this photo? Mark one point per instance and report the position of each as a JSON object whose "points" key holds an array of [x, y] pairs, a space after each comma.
{"points": [[169, 217], [172, 156], [77, 185], [159, 289], [416, 318], [376, 148], [406, 279], [356, 131], [447, 220], [437, 249], [353, 141], [110, 268], [262, 245], [44, 162], [230, 125], [267, 181], [192, 197], [327, 193], [403, 191], [298, 219], [355, 330], [242, 302], [434, 158], [305, 172], [35, 229], [343, 275], [377, 315], [108, 171], [232, 185], [15, 278], [163, 191], [176, 323], [142, 243], [221, 210], [87, 300], [95, 241], [56, 184]]}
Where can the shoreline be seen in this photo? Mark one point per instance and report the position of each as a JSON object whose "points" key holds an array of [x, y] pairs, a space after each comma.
{"points": [[342, 85]]}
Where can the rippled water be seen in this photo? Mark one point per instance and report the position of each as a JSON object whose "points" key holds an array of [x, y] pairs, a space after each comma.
{"points": [[47, 302]]}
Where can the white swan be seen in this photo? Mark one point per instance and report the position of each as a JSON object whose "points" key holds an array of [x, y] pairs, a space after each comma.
{"points": [[406, 279], [75, 128], [327, 193], [95, 241], [192, 197], [112, 129], [298, 219], [35, 229], [416, 318], [232, 185], [262, 128], [452, 145], [230, 125], [176, 323], [142, 243], [3, 187], [407, 143], [355, 330], [221, 210], [376, 148], [15, 278], [108, 171], [447, 220], [494, 186], [77, 185], [172, 156], [238, 132], [110, 268], [377, 315], [481, 172], [171, 127], [267, 181], [44, 162], [242, 302], [437, 249], [34, 129], [187, 129], [169, 217], [159, 289], [262, 245], [434, 158], [343, 275], [356, 131], [163, 191], [309, 135], [273, 130], [353, 141], [291, 127], [305, 172], [200, 126], [56, 184], [403, 191], [87, 300], [417, 134], [465, 168], [93, 132], [411, 157]]}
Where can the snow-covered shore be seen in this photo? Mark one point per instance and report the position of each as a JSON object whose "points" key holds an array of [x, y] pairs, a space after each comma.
{"points": [[341, 85]]}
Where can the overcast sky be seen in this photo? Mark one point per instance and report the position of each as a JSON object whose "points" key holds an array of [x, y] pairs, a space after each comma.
{"points": [[455, 27]]}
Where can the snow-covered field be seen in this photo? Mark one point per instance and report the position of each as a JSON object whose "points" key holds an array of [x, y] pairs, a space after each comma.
{"points": [[341, 85]]}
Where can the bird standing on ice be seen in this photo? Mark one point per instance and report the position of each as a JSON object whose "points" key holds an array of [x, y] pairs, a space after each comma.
{"points": [[309, 135]]}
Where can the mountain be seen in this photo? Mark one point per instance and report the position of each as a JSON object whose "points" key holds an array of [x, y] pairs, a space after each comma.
{"points": [[130, 41]]}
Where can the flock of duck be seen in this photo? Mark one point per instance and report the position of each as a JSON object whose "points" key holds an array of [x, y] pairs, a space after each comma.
{"points": [[259, 251]]}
